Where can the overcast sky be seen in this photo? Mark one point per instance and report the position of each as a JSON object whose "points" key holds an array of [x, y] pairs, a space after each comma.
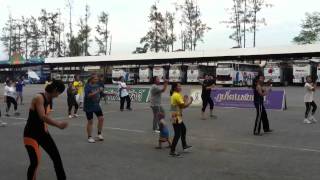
{"points": [[129, 19]]}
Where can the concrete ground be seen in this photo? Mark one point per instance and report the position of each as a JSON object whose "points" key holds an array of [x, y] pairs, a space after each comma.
{"points": [[223, 148]]}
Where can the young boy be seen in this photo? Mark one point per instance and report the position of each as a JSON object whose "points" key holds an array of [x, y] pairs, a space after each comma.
{"points": [[164, 132]]}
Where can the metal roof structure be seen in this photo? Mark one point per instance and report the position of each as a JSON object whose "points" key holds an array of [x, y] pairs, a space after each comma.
{"points": [[281, 53]]}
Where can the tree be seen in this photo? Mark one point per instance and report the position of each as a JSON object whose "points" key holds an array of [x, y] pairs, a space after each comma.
{"points": [[54, 29], [43, 19], [87, 31], [257, 6], [26, 24], [35, 37], [82, 37], [242, 13], [194, 27], [310, 32], [6, 36], [103, 32], [155, 36], [170, 36]]}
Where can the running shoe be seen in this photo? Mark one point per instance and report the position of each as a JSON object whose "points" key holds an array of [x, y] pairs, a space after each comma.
{"points": [[75, 115], [70, 116], [312, 119], [91, 140], [186, 148], [174, 154], [100, 137], [306, 121], [156, 131], [3, 124]]}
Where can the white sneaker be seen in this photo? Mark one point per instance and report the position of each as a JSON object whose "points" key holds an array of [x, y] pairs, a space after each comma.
{"points": [[100, 137], [91, 140], [75, 115], [70, 116], [312, 119], [3, 124], [306, 121], [156, 131]]}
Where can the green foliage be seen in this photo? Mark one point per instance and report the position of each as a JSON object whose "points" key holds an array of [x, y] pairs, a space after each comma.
{"points": [[310, 32]]}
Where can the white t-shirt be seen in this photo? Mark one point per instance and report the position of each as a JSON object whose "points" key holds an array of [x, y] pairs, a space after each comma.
{"points": [[124, 91], [10, 91], [308, 97]]}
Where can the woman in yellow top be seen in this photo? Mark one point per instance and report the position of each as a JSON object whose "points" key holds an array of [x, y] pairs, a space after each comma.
{"points": [[178, 103]]}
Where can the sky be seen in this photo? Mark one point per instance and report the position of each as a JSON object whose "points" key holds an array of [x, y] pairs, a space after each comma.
{"points": [[129, 20]]}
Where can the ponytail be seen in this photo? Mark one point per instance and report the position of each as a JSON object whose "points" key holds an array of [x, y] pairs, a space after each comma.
{"points": [[173, 88]]}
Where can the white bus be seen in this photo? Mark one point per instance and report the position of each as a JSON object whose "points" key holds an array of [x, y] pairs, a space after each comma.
{"points": [[64, 78], [176, 74], [160, 72], [279, 72], [117, 73], [273, 71], [193, 74], [236, 74], [71, 77], [145, 74], [302, 69]]}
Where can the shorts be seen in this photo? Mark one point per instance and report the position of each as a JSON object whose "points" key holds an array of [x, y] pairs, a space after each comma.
{"points": [[19, 93], [90, 114]]}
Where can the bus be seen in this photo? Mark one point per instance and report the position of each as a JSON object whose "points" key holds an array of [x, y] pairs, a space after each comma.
{"points": [[117, 73], [176, 74], [145, 74], [236, 74], [280, 73], [302, 69], [161, 72], [194, 73]]}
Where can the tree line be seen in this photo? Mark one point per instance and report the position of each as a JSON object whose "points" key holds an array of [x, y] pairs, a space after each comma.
{"points": [[47, 36]]}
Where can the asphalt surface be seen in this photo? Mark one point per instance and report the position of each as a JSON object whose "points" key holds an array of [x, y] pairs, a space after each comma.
{"points": [[223, 148]]}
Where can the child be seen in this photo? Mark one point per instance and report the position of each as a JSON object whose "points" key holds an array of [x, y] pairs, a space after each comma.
{"points": [[164, 132], [72, 92], [309, 101]]}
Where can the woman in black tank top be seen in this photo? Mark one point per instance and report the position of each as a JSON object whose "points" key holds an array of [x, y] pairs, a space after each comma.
{"points": [[260, 91], [36, 133]]}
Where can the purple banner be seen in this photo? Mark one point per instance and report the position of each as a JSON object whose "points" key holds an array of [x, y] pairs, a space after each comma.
{"points": [[243, 98]]}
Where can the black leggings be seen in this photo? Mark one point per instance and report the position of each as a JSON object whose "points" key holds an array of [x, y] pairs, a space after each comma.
{"points": [[123, 99], [179, 131], [70, 106], [47, 143], [308, 108], [205, 102], [11, 100], [261, 117]]}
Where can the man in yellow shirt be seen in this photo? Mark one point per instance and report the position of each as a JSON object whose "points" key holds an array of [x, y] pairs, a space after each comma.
{"points": [[178, 103], [78, 84]]}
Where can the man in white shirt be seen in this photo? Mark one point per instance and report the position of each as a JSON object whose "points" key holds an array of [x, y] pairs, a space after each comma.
{"points": [[123, 94], [309, 101]]}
